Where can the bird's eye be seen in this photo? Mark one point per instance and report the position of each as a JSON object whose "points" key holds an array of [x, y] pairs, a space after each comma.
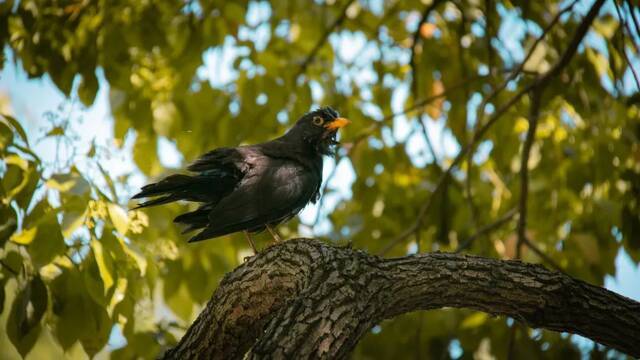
{"points": [[318, 121]]}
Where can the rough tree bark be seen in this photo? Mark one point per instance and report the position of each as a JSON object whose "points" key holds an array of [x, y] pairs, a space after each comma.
{"points": [[303, 298]]}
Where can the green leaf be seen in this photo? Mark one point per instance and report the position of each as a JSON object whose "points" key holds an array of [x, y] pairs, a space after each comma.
{"points": [[48, 241], [55, 131], [74, 214], [16, 126], [474, 320], [105, 264], [88, 88], [14, 261], [165, 117], [70, 322], [135, 254], [71, 182], [25, 237], [6, 137], [119, 218], [234, 12], [599, 61], [98, 327], [588, 244], [145, 154], [8, 222], [23, 325], [606, 25], [181, 303], [18, 179], [109, 181]]}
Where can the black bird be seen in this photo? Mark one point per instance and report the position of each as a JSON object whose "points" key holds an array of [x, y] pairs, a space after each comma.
{"points": [[253, 187]]}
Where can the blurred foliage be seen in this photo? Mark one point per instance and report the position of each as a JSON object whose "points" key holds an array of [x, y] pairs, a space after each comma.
{"points": [[75, 262]]}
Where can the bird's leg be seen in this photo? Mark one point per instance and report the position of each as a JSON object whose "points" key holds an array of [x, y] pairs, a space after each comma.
{"points": [[276, 237], [250, 240]]}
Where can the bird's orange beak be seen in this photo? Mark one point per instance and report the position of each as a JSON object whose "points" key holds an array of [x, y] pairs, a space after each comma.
{"points": [[337, 124]]}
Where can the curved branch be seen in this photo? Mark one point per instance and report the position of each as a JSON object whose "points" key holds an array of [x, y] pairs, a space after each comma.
{"points": [[303, 298]]}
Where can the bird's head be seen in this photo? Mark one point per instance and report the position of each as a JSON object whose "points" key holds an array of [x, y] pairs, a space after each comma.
{"points": [[319, 128]]}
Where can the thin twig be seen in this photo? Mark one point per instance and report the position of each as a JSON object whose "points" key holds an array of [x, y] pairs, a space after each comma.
{"points": [[465, 115], [489, 31], [427, 139], [632, 13], [541, 254], [625, 23], [513, 74], [541, 81], [519, 69], [575, 42], [416, 106], [487, 229], [623, 49], [323, 39], [463, 152], [416, 41], [534, 115]]}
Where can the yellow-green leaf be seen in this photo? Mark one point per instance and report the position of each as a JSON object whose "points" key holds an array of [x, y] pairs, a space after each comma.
{"points": [[474, 320], [105, 264], [25, 237], [119, 218]]}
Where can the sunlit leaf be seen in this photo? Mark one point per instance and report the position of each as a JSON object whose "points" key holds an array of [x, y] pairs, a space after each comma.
{"points": [[119, 218], [48, 241], [55, 131], [6, 136], [72, 182], [105, 264], [25, 237], [15, 124]]}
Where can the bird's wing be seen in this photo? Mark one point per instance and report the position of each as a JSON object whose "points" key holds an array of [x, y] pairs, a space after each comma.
{"points": [[217, 173], [272, 190], [226, 159]]}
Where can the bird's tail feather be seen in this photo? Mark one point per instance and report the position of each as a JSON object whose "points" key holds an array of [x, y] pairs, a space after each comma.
{"points": [[195, 219], [179, 187]]}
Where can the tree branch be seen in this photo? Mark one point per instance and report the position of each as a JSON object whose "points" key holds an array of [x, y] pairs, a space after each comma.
{"points": [[534, 114], [427, 139], [623, 50], [303, 298], [542, 81], [487, 229], [416, 42], [512, 75], [632, 13]]}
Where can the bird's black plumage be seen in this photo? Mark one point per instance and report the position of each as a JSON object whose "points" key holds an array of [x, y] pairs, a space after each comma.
{"points": [[249, 187]]}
